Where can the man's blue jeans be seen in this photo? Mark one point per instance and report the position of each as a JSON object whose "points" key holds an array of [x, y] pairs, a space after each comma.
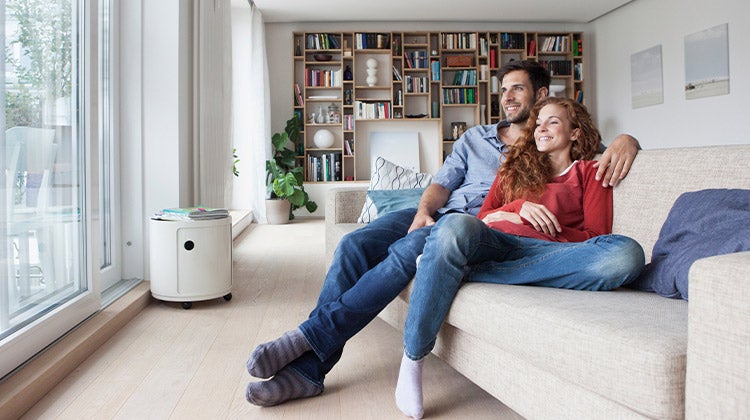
{"points": [[459, 241], [370, 267]]}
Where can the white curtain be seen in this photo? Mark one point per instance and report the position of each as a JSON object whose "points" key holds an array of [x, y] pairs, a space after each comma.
{"points": [[251, 114], [212, 103]]}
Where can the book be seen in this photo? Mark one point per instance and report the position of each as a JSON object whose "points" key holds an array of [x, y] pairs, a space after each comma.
{"points": [[532, 48], [298, 100], [396, 74], [192, 213]]}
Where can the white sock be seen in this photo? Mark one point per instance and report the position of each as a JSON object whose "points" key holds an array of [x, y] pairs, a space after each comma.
{"points": [[409, 387]]}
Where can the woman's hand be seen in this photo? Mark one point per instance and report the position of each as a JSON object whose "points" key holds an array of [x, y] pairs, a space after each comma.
{"points": [[500, 215], [540, 218]]}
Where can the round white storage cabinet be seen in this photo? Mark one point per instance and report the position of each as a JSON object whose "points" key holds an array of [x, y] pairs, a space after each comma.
{"points": [[191, 260]]}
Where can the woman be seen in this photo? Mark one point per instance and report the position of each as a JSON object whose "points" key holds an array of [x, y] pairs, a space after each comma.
{"points": [[544, 217]]}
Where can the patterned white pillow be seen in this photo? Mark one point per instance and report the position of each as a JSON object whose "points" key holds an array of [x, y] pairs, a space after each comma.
{"points": [[387, 175]]}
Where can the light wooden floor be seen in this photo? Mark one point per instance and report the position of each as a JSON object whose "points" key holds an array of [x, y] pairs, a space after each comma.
{"points": [[189, 364]]}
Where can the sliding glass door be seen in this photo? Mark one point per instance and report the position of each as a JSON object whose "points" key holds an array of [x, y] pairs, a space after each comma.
{"points": [[45, 133]]}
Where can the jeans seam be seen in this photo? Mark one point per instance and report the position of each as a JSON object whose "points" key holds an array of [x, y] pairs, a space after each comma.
{"points": [[318, 353], [302, 374]]}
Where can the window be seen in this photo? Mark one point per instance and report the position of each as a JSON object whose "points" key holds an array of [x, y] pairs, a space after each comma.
{"points": [[45, 206]]}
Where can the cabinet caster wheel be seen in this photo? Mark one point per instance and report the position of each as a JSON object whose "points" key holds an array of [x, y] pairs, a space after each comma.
{"points": [[187, 305], [228, 297]]}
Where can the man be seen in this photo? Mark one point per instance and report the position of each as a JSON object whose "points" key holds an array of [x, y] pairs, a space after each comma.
{"points": [[372, 265]]}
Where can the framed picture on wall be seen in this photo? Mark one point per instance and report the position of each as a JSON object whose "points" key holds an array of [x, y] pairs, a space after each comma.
{"points": [[646, 86], [707, 62]]}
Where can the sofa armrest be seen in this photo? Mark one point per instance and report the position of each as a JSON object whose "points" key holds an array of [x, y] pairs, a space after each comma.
{"points": [[718, 353], [343, 207]]}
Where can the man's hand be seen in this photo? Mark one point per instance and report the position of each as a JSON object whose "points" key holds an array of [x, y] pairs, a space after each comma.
{"points": [[616, 160], [420, 221], [433, 197]]}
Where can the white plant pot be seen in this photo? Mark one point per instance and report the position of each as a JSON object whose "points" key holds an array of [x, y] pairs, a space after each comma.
{"points": [[277, 211]]}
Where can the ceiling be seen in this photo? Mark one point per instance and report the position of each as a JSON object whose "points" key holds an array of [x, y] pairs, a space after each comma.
{"points": [[563, 11]]}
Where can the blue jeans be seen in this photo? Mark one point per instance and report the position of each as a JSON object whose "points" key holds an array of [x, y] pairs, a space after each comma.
{"points": [[370, 267], [462, 248]]}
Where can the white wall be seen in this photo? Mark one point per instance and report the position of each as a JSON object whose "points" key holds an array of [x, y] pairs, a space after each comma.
{"points": [[677, 122]]}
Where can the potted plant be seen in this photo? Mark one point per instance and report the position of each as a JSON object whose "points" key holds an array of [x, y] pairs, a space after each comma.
{"points": [[284, 190]]}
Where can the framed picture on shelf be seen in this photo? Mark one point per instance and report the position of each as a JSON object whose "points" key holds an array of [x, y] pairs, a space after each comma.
{"points": [[457, 129]]}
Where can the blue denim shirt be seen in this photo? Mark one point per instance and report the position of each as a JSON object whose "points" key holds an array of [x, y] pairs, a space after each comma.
{"points": [[468, 172]]}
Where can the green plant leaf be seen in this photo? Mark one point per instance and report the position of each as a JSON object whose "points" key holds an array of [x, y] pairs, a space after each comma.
{"points": [[284, 179]]}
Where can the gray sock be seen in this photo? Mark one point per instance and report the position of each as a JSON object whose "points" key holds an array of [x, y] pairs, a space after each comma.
{"points": [[286, 385], [268, 358]]}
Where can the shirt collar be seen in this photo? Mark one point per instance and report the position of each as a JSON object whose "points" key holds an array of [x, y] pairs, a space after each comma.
{"points": [[491, 135]]}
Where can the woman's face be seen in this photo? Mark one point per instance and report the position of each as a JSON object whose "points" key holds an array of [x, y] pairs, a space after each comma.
{"points": [[554, 133]]}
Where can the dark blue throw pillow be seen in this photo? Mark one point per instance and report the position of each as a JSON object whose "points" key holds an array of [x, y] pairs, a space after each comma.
{"points": [[700, 224]]}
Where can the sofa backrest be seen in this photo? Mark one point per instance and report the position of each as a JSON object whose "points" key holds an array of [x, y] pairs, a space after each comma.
{"points": [[642, 200]]}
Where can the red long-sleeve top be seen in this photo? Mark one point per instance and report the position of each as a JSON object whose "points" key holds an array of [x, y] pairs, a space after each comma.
{"points": [[582, 206]]}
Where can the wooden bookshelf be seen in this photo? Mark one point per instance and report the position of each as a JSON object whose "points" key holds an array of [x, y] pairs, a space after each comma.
{"points": [[441, 78]]}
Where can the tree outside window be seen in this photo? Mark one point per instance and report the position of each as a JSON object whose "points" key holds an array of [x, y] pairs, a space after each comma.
{"points": [[38, 50]]}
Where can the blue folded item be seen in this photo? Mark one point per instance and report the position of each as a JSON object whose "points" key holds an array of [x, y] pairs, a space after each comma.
{"points": [[700, 224]]}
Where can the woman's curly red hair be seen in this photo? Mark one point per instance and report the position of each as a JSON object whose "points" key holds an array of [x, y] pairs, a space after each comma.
{"points": [[526, 170]]}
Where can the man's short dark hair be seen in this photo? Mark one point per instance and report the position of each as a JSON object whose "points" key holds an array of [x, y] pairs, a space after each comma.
{"points": [[538, 75]]}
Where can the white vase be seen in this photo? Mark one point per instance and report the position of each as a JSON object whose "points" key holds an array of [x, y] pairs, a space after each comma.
{"points": [[372, 77], [372, 72]]}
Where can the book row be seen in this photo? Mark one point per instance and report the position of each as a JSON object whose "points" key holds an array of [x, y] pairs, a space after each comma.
{"points": [[324, 167], [372, 110], [452, 96], [465, 78], [417, 84], [459, 41], [371, 41], [323, 78], [416, 59], [322, 42], [558, 68], [556, 44], [513, 41]]}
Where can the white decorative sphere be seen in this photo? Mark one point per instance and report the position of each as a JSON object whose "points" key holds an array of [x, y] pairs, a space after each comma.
{"points": [[372, 63], [323, 138]]}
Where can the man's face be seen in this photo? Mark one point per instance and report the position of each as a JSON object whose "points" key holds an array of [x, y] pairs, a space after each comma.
{"points": [[518, 96]]}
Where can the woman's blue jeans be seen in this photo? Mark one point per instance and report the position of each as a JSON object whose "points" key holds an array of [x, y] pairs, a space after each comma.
{"points": [[370, 267], [462, 248]]}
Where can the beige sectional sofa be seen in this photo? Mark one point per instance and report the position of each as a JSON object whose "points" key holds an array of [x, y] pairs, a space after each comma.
{"points": [[563, 354]]}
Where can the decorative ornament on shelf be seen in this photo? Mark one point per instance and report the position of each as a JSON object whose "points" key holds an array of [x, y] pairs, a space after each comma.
{"points": [[323, 139], [372, 72]]}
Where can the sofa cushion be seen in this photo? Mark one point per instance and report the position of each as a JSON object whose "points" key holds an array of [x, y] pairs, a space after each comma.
{"points": [[386, 201], [625, 345], [387, 175], [700, 224]]}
